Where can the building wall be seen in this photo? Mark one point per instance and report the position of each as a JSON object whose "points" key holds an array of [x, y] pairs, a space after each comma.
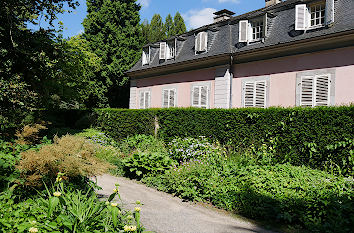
{"points": [[283, 72], [183, 82]]}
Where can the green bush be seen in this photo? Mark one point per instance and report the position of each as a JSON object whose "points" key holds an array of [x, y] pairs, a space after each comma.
{"points": [[281, 193], [142, 143], [143, 163], [304, 135]]}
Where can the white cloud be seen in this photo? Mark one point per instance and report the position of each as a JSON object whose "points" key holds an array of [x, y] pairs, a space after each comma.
{"points": [[198, 18], [232, 1], [144, 3]]}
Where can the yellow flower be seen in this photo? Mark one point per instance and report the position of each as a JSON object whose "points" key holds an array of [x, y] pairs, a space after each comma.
{"points": [[57, 194], [132, 228], [129, 228], [33, 222], [116, 190], [126, 228], [137, 209], [129, 217], [59, 179], [114, 204], [33, 230], [107, 202]]}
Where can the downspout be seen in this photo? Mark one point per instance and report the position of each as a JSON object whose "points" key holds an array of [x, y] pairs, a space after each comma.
{"points": [[231, 65]]}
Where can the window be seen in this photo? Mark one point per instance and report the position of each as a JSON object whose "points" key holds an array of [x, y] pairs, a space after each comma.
{"points": [[146, 56], [201, 42], [171, 49], [145, 99], [318, 14], [255, 93], [169, 98], [254, 30], [315, 90], [257, 30], [200, 96]]}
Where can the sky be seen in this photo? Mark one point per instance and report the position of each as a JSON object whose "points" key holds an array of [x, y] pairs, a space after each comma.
{"points": [[196, 13]]}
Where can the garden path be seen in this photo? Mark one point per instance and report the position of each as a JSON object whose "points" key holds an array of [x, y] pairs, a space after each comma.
{"points": [[163, 213]]}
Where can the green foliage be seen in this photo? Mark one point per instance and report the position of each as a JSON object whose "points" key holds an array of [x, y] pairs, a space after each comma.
{"points": [[169, 26], [157, 28], [112, 29], [280, 193], [183, 150], [180, 26], [142, 143], [143, 163], [292, 129], [62, 210]]}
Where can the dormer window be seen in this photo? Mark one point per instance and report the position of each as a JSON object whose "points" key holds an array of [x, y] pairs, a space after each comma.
{"points": [[253, 30], [146, 56], [167, 50], [314, 15], [201, 42], [257, 29]]}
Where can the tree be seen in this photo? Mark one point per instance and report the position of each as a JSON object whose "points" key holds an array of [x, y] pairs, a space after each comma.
{"points": [[180, 26], [157, 28], [27, 57], [113, 32], [169, 26], [145, 32]]}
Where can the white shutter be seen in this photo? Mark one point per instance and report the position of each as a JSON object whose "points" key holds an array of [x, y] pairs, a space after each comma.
{"points": [[144, 58], [172, 98], [163, 46], [165, 99], [197, 42], [203, 41], [301, 17], [203, 97], [322, 91], [243, 31], [147, 99], [307, 90], [142, 97], [265, 25], [260, 94], [248, 96], [329, 12], [195, 96]]}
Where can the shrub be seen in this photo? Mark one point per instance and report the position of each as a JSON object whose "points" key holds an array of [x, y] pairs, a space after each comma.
{"points": [[284, 193], [72, 155], [191, 148], [142, 143], [143, 163], [30, 134], [293, 128]]}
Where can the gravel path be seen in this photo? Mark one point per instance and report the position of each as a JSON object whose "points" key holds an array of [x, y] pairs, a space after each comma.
{"points": [[163, 213]]}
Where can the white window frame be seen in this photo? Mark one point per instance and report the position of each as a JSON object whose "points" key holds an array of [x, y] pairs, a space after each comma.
{"points": [[144, 99], [304, 15], [259, 25], [199, 46], [146, 56], [171, 49], [200, 86], [255, 82], [169, 90], [315, 75], [247, 27]]}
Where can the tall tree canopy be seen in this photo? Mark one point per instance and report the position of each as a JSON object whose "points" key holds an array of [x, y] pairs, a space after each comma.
{"points": [[113, 32], [28, 58], [169, 26], [157, 28], [180, 26]]}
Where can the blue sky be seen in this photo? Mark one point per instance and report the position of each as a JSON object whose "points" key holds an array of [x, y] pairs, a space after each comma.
{"points": [[195, 12]]}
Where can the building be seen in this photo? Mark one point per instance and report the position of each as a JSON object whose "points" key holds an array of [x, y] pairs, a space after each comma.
{"points": [[292, 53]]}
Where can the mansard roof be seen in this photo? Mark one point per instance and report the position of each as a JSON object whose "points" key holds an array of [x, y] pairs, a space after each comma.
{"points": [[223, 36]]}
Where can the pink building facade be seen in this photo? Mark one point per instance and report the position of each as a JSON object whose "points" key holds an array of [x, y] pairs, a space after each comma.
{"points": [[310, 71]]}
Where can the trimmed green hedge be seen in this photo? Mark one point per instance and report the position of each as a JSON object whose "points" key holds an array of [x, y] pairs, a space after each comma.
{"points": [[318, 137]]}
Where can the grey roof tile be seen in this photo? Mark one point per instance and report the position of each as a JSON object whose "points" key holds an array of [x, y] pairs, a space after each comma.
{"points": [[281, 29]]}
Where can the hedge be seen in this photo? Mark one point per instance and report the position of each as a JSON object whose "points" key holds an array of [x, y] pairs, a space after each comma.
{"points": [[319, 137]]}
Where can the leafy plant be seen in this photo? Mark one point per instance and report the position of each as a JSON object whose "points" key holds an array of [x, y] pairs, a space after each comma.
{"points": [[142, 143], [142, 163]]}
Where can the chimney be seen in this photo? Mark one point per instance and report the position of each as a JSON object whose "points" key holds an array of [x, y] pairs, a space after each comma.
{"points": [[272, 2], [222, 15]]}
